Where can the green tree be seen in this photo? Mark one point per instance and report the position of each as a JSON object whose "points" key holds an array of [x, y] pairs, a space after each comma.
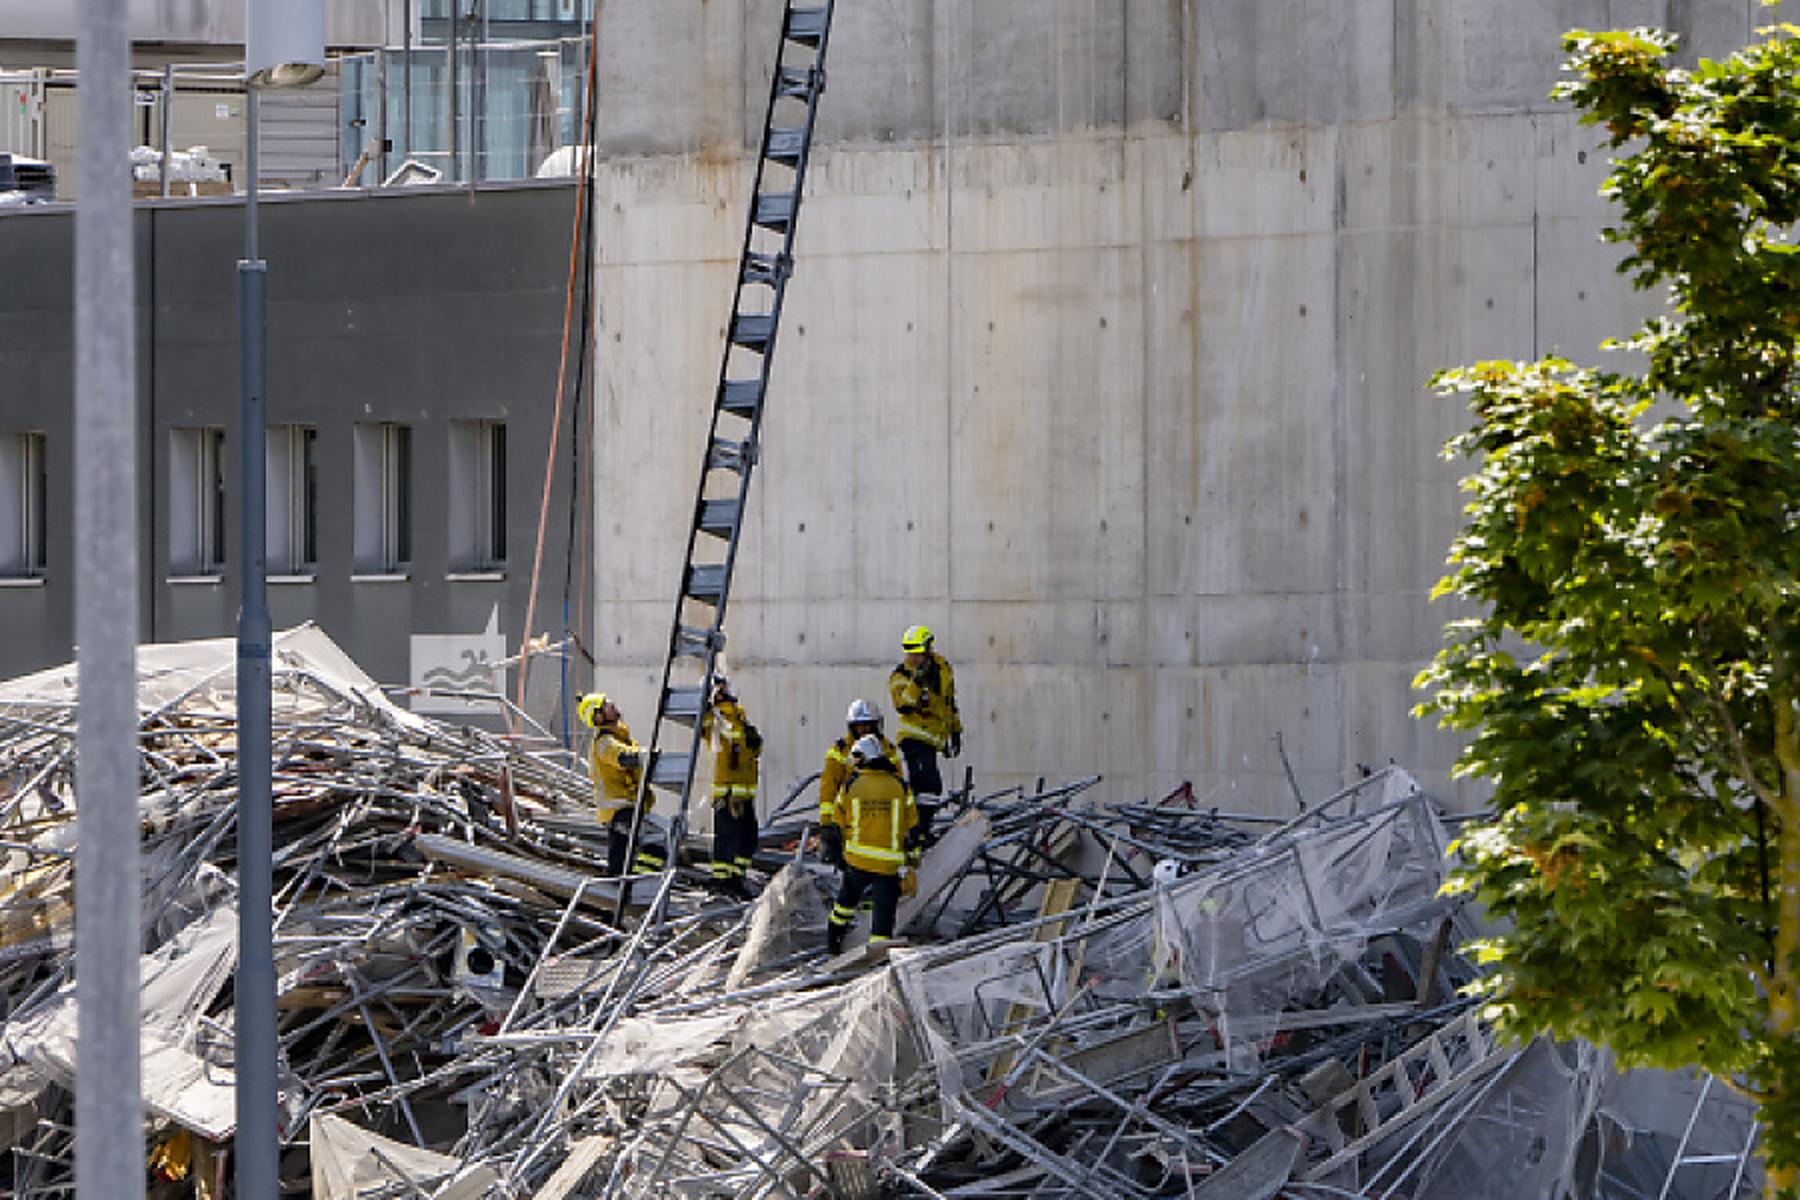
{"points": [[1632, 687]]}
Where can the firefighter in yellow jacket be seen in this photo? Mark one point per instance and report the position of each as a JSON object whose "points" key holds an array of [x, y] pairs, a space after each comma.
{"points": [[863, 718], [923, 688], [737, 749], [869, 835], [617, 765]]}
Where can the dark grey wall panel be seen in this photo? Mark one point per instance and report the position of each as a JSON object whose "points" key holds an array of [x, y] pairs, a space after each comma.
{"points": [[419, 308]]}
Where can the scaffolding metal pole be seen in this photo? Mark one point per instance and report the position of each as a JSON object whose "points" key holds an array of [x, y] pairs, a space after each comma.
{"points": [[406, 44], [108, 1095], [168, 115]]}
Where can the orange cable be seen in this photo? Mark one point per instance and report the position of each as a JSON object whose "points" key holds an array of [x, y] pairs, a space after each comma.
{"points": [[584, 159]]}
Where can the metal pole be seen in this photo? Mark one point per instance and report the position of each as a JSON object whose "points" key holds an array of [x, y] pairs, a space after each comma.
{"points": [[406, 80], [255, 1053], [168, 104], [381, 111], [109, 1117], [478, 115], [450, 45]]}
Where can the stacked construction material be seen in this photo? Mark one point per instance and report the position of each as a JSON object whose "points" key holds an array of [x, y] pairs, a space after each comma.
{"points": [[1275, 1011]]}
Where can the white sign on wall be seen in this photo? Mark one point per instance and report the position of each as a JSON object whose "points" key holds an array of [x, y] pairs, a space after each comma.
{"points": [[459, 662]]}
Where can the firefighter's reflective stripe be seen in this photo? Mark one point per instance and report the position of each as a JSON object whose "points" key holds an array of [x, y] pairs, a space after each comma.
{"points": [[867, 849], [927, 715], [911, 730], [617, 766], [648, 862]]}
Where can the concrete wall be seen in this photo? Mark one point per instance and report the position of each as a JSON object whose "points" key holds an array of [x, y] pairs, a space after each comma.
{"points": [[1105, 356], [417, 307]]}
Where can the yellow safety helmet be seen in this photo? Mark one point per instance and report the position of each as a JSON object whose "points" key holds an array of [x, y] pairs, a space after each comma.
{"points": [[916, 640], [588, 711]]}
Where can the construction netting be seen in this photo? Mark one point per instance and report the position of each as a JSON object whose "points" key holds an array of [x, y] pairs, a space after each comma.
{"points": [[1096, 995]]}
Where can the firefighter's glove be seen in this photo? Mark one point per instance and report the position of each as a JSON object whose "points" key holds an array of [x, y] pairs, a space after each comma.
{"points": [[831, 846], [955, 747], [909, 882]]}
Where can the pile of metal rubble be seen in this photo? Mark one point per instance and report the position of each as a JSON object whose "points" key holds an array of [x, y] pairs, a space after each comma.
{"points": [[467, 1011]]}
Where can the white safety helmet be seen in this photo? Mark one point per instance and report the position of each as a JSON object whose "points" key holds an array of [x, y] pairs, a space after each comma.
{"points": [[867, 748], [1167, 872], [862, 712]]}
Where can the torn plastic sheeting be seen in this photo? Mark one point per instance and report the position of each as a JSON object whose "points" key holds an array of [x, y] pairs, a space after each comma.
{"points": [[168, 672], [181, 977], [760, 1117], [1345, 881], [1247, 939], [848, 1031], [649, 1046], [800, 1074], [180, 980], [964, 1001], [788, 911], [1518, 1134], [1243, 938], [349, 1163]]}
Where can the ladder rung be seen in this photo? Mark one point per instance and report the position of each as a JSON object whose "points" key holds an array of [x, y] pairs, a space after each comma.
{"points": [[741, 397], [728, 455], [753, 331], [719, 517], [775, 210], [770, 269], [682, 704], [807, 25], [670, 770], [799, 83], [785, 145], [706, 582], [691, 642]]}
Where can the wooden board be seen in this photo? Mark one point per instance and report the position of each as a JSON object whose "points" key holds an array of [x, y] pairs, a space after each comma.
{"points": [[943, 863]]}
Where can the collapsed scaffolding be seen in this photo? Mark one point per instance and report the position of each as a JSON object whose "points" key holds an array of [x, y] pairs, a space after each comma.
{"points": [[461, 1017]]}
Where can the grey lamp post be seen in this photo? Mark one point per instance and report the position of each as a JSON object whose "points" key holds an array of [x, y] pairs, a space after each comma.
{"points": [[109, 1154], [284, 43]]}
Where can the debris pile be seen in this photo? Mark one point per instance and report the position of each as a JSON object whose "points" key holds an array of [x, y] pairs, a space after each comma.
{"points": [[1093, 998]]}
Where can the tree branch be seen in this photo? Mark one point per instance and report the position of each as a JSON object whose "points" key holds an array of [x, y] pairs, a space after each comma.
{"points": [[1734, 745]]}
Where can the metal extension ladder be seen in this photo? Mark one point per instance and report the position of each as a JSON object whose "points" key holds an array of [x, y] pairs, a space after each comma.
{"points": [[697, 634]]}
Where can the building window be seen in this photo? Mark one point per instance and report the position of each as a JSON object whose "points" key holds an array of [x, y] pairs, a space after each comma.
{"points": [[383, 498], [24, 525], [196, 501], [477, 495], [293, 486]]}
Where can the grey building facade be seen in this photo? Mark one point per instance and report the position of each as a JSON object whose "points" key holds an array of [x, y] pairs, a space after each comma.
{"points": [[413, 348]]}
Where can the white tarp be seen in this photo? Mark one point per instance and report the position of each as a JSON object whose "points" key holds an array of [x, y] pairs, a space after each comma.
{"points": [[349, 1162], [651, 1046], [168, 672], [180, 980]]}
